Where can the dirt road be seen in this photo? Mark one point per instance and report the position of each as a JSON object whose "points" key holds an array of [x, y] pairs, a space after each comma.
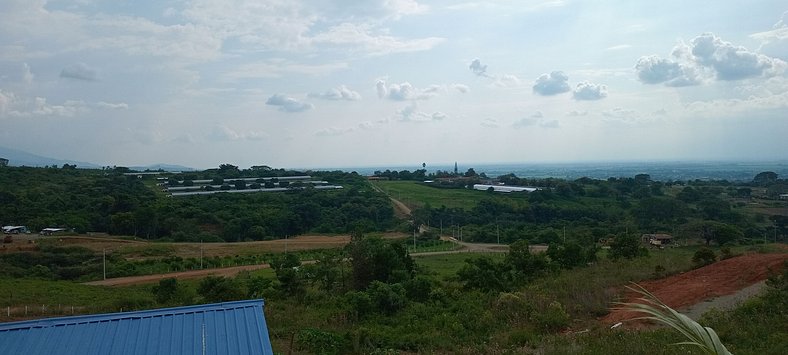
{"points": [[232, 271], [722, 278]]}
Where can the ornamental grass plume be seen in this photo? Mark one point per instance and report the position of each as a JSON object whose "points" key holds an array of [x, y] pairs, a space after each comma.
{"points": [[697, 335]]}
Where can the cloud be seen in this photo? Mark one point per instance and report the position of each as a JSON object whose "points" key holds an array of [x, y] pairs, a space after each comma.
{"points": [[223, 133], [728, 107], [27, 75], [708, 57], [366, 125], [655, 70], [477, 68], [333, 131], [618, 47], [507, 81], [276, 68], [525, 122], [411, 113], [732, 62], [339, 93], [288, 104], [549, 124], [12, 105], [404, 91], [551, 84], [113, 106], [589, 91], [226, 134], [537, 114], [577, 113], [79, 71], [489, 123], [620, 113], [361, 36], [461, 88], [380, 88]]}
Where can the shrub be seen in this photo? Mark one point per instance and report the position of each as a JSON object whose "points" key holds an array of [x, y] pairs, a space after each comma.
{"points": [[320, 342], [704, 256], [551, 319], [626, 246]]}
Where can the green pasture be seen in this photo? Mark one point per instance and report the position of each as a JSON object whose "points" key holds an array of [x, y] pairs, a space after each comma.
{"points": [[417, 194]]}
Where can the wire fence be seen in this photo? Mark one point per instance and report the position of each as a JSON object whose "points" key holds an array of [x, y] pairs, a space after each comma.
{"points": [[23, 312]]}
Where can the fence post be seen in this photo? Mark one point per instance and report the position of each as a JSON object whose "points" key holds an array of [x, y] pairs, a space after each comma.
{"points": [[72, 309], [9, 311], [25, 311]]}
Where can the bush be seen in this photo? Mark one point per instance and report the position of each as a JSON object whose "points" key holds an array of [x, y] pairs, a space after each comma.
{"points": [[220, 289], [551, 319], [703, 257], [626, 246], [320, 342]]}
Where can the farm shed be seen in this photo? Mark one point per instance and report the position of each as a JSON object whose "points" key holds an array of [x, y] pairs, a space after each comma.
{"points": [[219, 328], [504, 188]]}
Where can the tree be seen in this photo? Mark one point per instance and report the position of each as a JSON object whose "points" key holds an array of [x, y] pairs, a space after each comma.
{"points": [[166, 290], [240, 184], [525, 265], [373, 259], [720, 233], [484, 274], [470, 173], [220, 289], [571, 254], [626, 246], [286, 268], [764, 178]]}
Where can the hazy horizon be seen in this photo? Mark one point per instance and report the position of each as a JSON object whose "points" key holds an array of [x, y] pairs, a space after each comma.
{"points": [[399, 82]]}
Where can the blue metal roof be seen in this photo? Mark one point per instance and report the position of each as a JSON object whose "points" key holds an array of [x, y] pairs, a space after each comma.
{"points": [[219, 328]]}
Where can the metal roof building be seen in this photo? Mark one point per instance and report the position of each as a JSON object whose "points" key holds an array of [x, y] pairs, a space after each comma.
{"points": [[220, 328]]}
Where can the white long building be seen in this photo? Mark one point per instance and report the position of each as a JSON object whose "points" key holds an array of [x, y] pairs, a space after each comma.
{"points": [[504, 188]]}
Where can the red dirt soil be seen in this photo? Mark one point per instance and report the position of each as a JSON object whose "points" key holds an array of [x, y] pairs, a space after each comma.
{"points": [[719, 279]]}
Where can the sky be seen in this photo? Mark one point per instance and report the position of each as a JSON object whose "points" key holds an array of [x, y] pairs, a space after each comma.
{"points": [[351, 83]]}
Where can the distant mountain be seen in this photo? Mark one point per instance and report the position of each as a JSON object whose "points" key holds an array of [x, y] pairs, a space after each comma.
{"points": [[20, 158]]}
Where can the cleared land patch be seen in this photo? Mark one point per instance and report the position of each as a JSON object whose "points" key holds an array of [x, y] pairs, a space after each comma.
{"points": [[721, 278]]}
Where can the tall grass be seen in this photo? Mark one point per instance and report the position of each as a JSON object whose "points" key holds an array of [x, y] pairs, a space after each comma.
{"points": [[697, 335]]}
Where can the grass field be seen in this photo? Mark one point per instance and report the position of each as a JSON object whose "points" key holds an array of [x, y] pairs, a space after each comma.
{"points": [[416, 194], [140, 249]]}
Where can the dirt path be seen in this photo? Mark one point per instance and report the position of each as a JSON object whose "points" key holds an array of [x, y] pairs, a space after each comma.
{"points": [[192, 274], [234, 270], [401, 210], [722, 278]]}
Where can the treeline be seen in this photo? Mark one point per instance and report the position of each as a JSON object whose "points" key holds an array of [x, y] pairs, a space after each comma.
{"points": [[108, 201], [589, 210]]}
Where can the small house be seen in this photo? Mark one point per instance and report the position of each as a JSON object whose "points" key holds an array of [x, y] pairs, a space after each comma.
{"points": [[657, 239]]}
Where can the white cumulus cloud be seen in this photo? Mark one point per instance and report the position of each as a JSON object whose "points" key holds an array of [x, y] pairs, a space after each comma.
{"points": [[589, 91], [551, 84], [339, 93], [288, 104]]}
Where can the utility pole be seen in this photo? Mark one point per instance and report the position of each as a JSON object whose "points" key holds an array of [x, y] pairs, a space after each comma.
{"points": [[414, 237]]}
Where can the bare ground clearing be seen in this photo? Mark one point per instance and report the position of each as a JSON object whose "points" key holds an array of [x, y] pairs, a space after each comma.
{"points": [[142, 248], [722, 278]]}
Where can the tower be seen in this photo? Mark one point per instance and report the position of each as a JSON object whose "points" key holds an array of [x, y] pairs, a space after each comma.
{"points": [[455, 168]]}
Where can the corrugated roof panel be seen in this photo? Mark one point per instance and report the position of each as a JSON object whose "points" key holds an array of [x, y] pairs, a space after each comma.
{"points": [[221, 328]]}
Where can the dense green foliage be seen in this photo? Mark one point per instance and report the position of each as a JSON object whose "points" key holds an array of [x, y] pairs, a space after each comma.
{"points": [[108, 201]]}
